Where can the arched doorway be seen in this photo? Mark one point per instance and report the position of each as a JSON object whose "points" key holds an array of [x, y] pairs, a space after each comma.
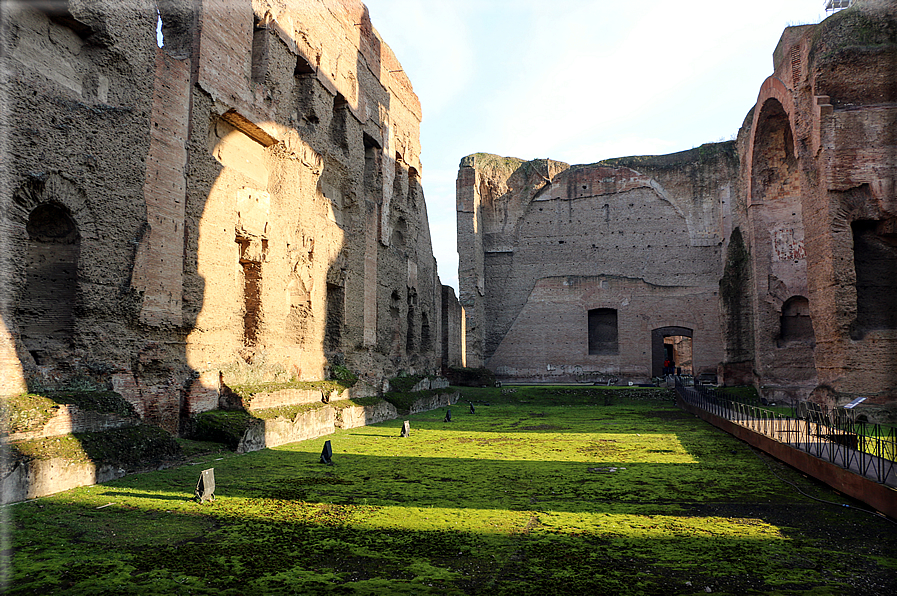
{"points": [[45, 307], [674, 345]]}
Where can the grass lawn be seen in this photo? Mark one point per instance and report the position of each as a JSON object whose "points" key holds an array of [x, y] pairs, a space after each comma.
{"points": [[543, 491]]}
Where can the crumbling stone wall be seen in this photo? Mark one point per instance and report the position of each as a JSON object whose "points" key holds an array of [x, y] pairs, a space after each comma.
{"points": [[822, 150], [543, 244], [243, 204], [782, 244]]}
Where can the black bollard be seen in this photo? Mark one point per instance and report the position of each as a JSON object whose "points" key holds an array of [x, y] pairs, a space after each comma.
{"points": [[327, 454]]}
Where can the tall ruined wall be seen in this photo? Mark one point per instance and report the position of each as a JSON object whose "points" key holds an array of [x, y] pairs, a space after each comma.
{"points": [[783, 244], [542, 245], [241, 205], [78, 95], [820, 167]]}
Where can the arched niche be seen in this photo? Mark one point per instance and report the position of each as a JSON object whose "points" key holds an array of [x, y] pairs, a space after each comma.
{"points": [[795, 323], [45, 306]]}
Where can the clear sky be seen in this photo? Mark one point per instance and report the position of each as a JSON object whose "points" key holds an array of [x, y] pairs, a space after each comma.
{"points": [[576, 80]]}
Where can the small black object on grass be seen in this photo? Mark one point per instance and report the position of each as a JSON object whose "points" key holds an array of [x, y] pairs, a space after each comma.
{"points": [[448, 415], [406, 429], [471, 407], [327, 454], [205, 488]]}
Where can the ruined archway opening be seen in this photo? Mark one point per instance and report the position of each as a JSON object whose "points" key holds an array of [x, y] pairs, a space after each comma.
{"points": [[795, 324], [774, 165], [45, 307], [603, 334]]}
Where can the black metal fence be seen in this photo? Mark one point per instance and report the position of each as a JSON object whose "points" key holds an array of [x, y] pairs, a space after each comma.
{"points": [[834, 435]]}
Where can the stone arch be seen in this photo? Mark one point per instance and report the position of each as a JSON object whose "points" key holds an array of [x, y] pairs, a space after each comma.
{"points": [[772, 89]]}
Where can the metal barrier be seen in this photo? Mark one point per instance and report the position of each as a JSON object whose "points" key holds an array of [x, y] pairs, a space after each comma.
{"points": [[833, 434]]}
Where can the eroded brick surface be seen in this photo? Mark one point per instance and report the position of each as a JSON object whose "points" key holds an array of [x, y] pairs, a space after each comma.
{"points": [[776, 252], [242, 205]]}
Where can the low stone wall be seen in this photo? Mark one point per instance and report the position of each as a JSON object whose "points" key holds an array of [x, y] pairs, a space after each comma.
{"points": [[72, 419], [324, 421], [37, 478], [285, 397], [41, 477], [279, 431], [355, 416], [425, 404]]}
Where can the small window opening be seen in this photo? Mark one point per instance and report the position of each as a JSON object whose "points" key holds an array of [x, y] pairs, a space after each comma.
{"points": [[603, 331], [338, 132]]}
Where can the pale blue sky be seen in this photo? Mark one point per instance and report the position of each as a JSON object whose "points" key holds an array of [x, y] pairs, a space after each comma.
{"points": [[576, 80]]}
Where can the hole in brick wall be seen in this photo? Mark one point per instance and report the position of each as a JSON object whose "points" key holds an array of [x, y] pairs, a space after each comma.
{"points": [[425, 339], [338, 132], [603, 331], [795, 322], [174, 29], [410, 327], [875, 262], [413, 186], [399, 233], [303, 67], [45, 308], [260, 51], [336, 309], [252, 293]]}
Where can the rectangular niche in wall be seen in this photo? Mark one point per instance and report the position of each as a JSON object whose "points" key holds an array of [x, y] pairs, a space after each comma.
{"points": [[875, 260], [603, 331], [336, 314]]}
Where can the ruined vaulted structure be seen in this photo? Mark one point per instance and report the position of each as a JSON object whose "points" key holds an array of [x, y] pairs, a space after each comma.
{"points": [[242, 204], [770, 260]]}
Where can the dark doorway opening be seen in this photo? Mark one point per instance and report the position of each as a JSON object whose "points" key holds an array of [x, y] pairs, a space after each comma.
{"points": [[671, 346]]}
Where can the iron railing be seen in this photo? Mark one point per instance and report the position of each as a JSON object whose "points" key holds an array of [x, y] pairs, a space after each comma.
{"points": [[834, 434]]}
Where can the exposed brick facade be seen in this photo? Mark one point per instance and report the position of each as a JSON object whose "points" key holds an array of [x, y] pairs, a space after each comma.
{"points": [[241, 205], [780, 247]]}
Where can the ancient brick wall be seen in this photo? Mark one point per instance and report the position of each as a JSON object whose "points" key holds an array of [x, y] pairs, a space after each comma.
{"points": [[542, 244], [243, 204], [833, 90], [781, 244]]}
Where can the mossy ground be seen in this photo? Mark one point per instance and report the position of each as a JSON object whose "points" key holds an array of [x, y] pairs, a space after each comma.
{"points": [[543, 491]]}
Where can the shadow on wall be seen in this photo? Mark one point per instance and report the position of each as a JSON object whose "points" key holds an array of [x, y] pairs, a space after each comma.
{"points": [[227, 258]]}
